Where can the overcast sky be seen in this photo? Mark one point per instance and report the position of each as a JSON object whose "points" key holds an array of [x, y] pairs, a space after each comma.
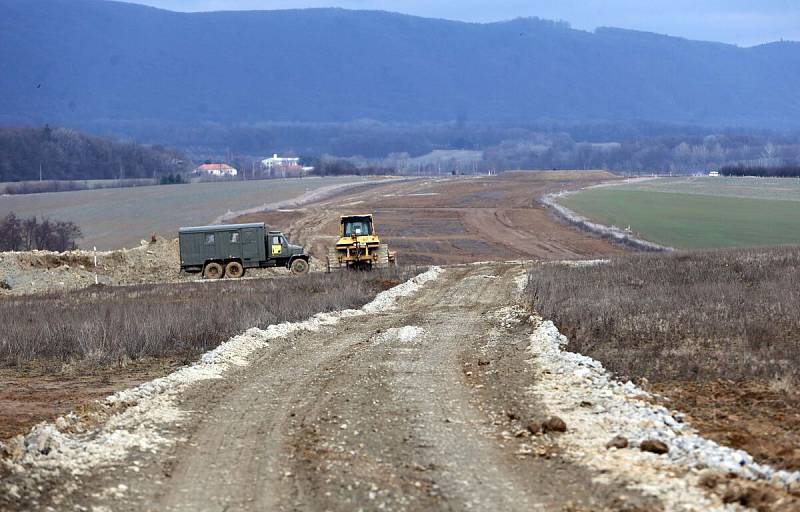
{"points": [[743, 22]]}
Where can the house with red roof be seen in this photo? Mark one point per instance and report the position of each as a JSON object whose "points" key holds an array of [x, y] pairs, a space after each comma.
{"points": [[216, 170]]}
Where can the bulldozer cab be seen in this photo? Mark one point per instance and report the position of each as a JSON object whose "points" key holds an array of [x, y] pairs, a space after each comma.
{"points": [[358, 246], [356, 225]]}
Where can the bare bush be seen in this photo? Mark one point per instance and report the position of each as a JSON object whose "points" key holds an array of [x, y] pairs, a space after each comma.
{"points": [[28, 234], [104, 325], [729, 314]]}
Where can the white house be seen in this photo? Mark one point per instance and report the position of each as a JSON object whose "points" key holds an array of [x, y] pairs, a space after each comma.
{"points": [[216, 170], [276, 161]]}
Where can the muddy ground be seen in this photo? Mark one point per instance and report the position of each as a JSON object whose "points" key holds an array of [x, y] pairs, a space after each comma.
{"points": [[43, 391], [756, 416], [458, 220]]}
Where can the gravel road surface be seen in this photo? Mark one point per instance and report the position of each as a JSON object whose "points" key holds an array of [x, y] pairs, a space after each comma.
{"points": [[426, 403]]}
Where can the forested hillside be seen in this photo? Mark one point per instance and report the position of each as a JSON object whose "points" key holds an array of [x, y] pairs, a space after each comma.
{"points": [[77, 62], [63, 154]]}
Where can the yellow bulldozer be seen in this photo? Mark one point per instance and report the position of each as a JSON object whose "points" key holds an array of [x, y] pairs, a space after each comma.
{"points": [[358, 246]]}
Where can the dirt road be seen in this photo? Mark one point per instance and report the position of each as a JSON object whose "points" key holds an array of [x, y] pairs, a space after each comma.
{"points": [[416, 408], [454, 220]]}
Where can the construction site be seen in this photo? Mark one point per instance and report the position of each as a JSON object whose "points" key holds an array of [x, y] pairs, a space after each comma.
{"points": [[409, 369]]}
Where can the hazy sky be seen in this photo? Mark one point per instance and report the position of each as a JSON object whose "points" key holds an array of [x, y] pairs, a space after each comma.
{"points": [[743, 22]]}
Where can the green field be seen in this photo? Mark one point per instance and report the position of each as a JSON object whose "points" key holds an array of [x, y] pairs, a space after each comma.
{"points": [[693, 220], [756, 188], [120, 217]]}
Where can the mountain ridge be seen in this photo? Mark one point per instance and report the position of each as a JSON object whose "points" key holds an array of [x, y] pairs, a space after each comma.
{"points": [[79, 61]]}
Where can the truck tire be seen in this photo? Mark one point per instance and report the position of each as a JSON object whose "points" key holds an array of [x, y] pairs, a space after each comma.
{"points": [[382, 261], [333, 260], [299, 266], [234, 269], [213, 270]]}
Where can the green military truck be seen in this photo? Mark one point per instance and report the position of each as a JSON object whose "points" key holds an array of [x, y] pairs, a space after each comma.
{"points": [[227, 250]]}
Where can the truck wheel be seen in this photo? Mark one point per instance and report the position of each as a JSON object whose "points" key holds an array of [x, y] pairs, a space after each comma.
{"points": [[234, 269], [299, 266], [213, 271]]}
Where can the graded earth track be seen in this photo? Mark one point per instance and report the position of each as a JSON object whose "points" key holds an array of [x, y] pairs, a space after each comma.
{"points": [[407, 409], [454, 220]]}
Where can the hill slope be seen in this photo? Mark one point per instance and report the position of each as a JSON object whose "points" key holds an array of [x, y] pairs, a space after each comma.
{"points": [[78, 61]]}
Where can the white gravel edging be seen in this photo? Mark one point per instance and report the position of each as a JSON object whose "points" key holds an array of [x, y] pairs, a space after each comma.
{"points": [[566, 380], [70, 446], [613, 232]]}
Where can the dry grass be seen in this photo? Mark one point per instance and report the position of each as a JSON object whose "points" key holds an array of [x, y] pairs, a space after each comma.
{"points": [[109, 325], [729, 314]]}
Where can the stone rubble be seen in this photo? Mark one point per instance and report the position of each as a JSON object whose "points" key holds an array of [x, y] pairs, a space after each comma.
{"points": [[598, 408]]}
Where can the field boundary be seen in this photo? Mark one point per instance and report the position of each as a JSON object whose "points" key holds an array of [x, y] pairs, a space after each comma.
{"points": [[612, 233], [311, 196]]}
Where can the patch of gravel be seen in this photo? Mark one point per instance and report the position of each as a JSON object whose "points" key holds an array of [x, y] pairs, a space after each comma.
{"points": [[137, 418], [597, 408], [405, 334]]}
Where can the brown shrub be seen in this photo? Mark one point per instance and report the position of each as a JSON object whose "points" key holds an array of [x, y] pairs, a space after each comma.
{"points": [[732, 314], [110, 324]]}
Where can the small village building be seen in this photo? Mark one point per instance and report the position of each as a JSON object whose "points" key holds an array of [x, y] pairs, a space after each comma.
{"points": [[285, 167], [216, 170], [280, 162]]}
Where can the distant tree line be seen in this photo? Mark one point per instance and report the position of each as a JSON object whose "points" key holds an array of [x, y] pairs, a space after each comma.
{"points": [[172, 179], [39, 187], [26, 234], [787, 171], [371, 147], [622, 146], [62, 154], [686, 153]]}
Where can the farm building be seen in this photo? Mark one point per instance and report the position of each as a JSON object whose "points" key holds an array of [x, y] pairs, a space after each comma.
{"points": [[216, 170], [276, 161], [284, 166]]}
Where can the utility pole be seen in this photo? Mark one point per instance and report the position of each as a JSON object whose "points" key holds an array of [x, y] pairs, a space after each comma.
{"points": [[40, 170]]}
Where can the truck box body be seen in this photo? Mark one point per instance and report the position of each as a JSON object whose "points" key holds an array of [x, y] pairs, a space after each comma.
{"points": [[251, 245], [242, 242]]}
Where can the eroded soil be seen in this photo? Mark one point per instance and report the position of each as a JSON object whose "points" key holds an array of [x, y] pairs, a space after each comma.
{"points": [[41, 392], [753, 416], [454, 220]]}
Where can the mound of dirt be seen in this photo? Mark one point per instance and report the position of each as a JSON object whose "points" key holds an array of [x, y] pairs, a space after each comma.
{"points": [[45, 271]]}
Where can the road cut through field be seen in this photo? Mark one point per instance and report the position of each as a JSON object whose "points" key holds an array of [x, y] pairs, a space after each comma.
{"points": [[435, 396]]}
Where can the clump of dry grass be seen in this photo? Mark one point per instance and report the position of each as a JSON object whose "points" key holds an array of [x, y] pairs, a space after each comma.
{"points": [[105, 325], [732, 314]]}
